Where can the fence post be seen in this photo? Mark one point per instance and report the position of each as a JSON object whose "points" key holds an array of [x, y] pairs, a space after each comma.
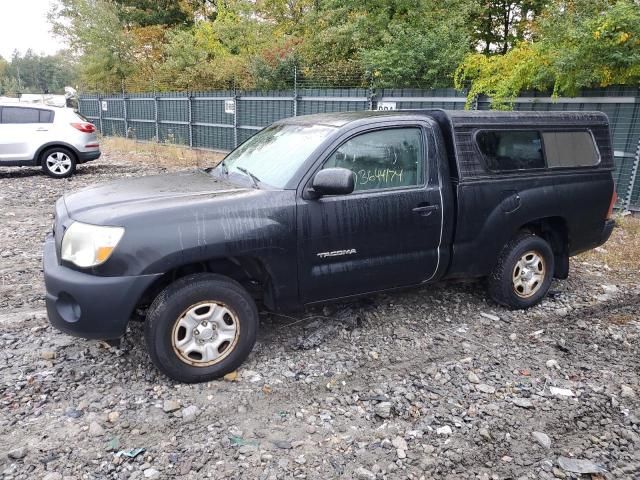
{"points": [[100, 114], [155, 117], [235, 118], [633, 178], [126, 122], [295, 91], [189, 95]]}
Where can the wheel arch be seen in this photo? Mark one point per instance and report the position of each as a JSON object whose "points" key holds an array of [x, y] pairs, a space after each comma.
{"points": [[43, 148], [555, 231], [248, 271]]}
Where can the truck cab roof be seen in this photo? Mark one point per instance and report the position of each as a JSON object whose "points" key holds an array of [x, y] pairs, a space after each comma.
{"points": [[459, 117]]}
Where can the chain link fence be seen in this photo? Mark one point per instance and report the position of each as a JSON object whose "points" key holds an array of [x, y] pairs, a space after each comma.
{"points": [[223, 119]]}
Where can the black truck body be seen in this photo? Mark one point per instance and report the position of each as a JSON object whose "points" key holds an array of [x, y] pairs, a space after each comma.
{"points": [[293, 245]]}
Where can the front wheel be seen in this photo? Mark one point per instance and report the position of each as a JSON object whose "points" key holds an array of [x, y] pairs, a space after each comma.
{"points": [[201, 327], [524, 272]]}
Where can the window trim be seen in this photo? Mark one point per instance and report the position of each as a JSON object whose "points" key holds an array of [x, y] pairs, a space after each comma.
{"points": [[541, 131], [425, 155]]}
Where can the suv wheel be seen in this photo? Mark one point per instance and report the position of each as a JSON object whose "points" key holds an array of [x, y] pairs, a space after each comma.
{"points": [[524, 272], [201, 327], [58, 162]]}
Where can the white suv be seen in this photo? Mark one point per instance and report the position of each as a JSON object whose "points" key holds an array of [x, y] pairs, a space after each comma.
{"points": [[57, 139]]}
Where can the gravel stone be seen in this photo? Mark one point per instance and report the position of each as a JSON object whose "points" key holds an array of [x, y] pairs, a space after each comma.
{"points": [[52, 476], [542, 438], [18, 453], [399, 443], [190, 413], [362, 473], [484, 388], [151, 473], [627, 392], [522, 402], [169, 406], [383, 409], [576, 465], [95, 430]]}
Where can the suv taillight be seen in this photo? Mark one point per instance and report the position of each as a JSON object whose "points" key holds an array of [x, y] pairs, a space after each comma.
{"points": [[85, 127], [614, 199]]}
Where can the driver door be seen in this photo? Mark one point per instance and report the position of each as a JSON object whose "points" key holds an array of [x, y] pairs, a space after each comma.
{"points": [[387, 232]]}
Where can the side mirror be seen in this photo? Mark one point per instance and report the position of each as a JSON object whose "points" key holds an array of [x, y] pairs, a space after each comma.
{"points": [[334, 181]]}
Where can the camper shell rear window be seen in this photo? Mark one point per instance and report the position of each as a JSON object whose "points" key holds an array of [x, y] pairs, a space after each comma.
{"points": [[512, 150]]}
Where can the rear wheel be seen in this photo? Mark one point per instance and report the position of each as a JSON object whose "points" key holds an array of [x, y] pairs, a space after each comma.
{"points": [[524, 272], [58, 162], [201, 327]]}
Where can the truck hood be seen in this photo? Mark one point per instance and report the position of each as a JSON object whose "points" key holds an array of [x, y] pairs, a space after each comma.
{"points": [[105, 203]]}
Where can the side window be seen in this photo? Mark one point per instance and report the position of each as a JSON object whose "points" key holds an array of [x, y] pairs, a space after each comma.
{"points": [[46, 116], [511, 149], [570, 149], [382, 159], [20, 115]]}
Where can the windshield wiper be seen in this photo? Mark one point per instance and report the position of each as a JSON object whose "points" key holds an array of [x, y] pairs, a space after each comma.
{"points": [[254, 179]]}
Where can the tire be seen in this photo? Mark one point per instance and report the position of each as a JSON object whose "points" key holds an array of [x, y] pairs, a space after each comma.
{"points": [[172, 339], [58, 162], [524, 272]]}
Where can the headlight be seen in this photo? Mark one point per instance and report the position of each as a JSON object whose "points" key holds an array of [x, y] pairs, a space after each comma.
{"points": [[89, 245]]}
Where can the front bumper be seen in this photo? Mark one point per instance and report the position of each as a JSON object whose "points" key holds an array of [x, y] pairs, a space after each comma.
{"points": [[88, 156], [86, 305]]}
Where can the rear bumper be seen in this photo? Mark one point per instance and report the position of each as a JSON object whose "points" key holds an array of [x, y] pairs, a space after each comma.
{"points": [[88, 156], [606, 230], [86, 305]]}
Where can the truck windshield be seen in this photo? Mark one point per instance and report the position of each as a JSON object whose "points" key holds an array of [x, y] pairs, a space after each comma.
{"points": [[274, 154]]}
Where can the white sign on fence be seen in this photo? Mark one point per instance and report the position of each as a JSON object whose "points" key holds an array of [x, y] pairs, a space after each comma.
{"points": [[229, 106], [386, 106], [104, 105]]}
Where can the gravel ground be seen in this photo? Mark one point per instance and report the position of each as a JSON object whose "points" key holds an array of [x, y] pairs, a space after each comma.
{"points": [[431, 383]]}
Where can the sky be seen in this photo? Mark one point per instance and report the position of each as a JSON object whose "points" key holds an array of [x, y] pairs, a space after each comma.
{"points": [[23, 25]]}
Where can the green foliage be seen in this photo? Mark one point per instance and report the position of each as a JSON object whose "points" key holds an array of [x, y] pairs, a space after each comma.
{"points": [[31, 73], [93, 29], [412, 55], [586, 44], [395, 42], [144, 13], [500, 24], [491, 47]]}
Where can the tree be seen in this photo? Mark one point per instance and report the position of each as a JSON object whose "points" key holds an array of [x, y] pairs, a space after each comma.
{"points": [[31, 73], [93, 30], [499, 24], [578, 44], [145, 13], [401, 42]]}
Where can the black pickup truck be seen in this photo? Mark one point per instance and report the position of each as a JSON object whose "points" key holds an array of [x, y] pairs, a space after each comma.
{"points": [[325, 207]]}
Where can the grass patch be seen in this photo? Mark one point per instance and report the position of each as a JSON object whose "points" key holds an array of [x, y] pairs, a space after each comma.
{"points": [[622, 251], [161, 154]]}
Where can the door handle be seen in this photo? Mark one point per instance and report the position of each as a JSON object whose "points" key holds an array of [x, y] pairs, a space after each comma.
{"points": [[42, 129], [425, 210]]}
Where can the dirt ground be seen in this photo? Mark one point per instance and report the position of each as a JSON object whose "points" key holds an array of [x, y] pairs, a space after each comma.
{"points": [[431, 383]]}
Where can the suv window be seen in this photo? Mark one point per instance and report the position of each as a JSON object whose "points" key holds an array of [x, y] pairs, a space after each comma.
{"points": [[46, 116], [20, 115], [511, 149], [570, 149], [382, 159]]}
